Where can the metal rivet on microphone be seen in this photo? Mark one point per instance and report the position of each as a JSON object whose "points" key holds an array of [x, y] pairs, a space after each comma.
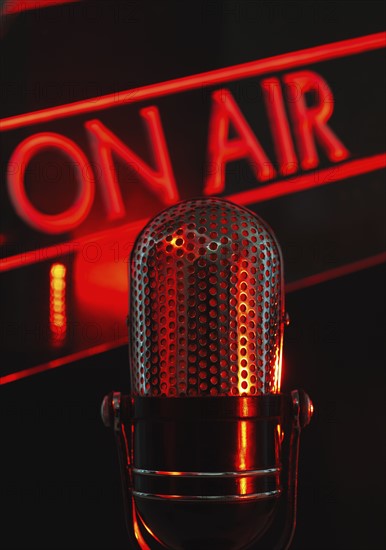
{"points": [[306, 408], [106, 411]]}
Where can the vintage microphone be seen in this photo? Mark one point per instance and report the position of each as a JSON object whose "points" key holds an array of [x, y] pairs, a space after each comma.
{"points": [[208, 445]]}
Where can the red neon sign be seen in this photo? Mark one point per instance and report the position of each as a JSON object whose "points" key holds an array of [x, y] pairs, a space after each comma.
{"points": [[310, 124]]}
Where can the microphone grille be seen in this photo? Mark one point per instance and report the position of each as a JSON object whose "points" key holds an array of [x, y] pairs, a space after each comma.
{"points": [[206, 303]]}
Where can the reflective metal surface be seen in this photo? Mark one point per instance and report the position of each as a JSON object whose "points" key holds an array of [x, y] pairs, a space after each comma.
{"points": [[207, 303]]}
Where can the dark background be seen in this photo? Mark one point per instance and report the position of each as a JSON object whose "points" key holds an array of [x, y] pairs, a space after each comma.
{"points": [[60, 479]]}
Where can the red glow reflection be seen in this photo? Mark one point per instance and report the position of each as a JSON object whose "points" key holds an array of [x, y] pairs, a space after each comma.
{"points": [[137, 531], [242, 455], [100, 276], [58, 315]]}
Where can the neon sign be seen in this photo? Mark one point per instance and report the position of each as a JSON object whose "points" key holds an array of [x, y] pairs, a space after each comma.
{"points": [[310, 126]]}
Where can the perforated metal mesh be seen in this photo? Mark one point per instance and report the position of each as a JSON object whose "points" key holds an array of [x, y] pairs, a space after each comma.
{"points": [[207, 303]]}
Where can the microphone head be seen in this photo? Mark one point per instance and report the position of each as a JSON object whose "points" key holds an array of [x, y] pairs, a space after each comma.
{"points": [[206, 303]]}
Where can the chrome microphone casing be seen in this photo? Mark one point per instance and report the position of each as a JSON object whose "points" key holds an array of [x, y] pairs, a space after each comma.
{"points": [[206, 303], [208, 444]]}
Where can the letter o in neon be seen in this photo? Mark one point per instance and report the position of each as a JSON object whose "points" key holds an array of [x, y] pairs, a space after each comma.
{"points": [[78, 211]]}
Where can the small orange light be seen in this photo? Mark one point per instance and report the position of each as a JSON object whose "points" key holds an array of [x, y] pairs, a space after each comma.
{"points": [[58, 271], [58, 317]]}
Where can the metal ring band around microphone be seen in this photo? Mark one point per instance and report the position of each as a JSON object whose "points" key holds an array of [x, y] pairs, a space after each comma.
{"points": [[211, 485], [200, 498], [245, 473]]}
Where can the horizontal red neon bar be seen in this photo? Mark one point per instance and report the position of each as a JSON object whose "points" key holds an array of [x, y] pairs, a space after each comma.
{"points": [[336, 272], [310, 180], [15, 6], [55, 363], [291, 287], [305, 182], [282, 62]]}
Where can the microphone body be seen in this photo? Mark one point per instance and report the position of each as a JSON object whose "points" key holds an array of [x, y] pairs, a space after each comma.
{"points": [[207, 442], [188, 483]]}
